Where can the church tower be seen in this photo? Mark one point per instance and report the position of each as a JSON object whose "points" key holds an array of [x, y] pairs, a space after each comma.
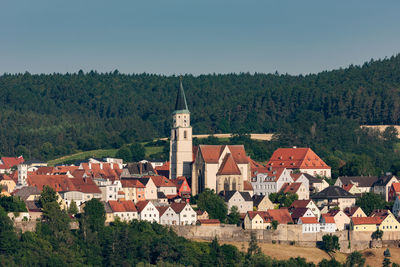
{"points": [[181, 150]]}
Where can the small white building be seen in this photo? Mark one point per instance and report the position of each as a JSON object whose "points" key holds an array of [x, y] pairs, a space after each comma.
{"points": [[309, 224], [242, 200], [270, 181], [187, 215], [168, 216], [328, 224], [124, 210], [147, 211]]}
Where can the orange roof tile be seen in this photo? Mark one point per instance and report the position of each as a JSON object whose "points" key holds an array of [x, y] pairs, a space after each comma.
{"points": [[328, 219], [280, 215], [9, 162], [262, 214], [178, 207], [141, 205], [129, 206], [300, 203], [347, 187], [59, 183], [131, 183], [297, 158], [212, 153], [292, 188], [308, 220], [228, 166], [366, 220], [208, 221], [161, 181], [162, 209], [396, 187], [247, 186]]}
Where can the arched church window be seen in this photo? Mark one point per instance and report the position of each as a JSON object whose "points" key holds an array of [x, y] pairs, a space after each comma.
{"points": [[173, 135], [234, 184], [226, 185], [185, 134]]}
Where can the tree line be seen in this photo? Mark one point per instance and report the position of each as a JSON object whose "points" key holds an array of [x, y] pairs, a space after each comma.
{"points": [[48, 115]]}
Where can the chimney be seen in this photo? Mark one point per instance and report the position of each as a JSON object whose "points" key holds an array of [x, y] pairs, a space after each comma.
{"points": [[90, 165], [112, 166], [294, 146]]}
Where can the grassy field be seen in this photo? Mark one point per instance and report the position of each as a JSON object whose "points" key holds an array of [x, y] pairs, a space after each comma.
{"points": [[99, 153], [374, 257]]}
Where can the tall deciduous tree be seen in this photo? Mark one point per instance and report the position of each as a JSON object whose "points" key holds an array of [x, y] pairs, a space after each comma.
{"points": [[213, 204]]}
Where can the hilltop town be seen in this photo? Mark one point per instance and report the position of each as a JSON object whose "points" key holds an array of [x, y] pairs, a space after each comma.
{"points": [[289, 198]]}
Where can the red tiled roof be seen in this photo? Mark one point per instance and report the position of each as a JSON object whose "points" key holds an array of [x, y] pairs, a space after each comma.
{"points": [[59, 183], [328, 219], [131, 183], [300, 203], [262, 214], [347, 187], [247, 186], [350, 210], [161, 181], [292, 188], [9, 162], [178, 207], [396, 187], [297, 158], [280, 215], [44, 170], [5, 177], [141, 205], [122, 206], [209, 221], [85, 185], [308, 220], [212, 153], [228, 166], [295, 176], [104, 170], [366, 220], [162, 209], [64, 169], [164, 167]]}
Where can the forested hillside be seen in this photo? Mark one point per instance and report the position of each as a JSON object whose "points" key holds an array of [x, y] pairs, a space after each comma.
{"points": [[42, 116]]}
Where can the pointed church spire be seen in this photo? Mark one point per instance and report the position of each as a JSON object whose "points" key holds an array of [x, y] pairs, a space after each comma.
{"points": [[181, 104]]}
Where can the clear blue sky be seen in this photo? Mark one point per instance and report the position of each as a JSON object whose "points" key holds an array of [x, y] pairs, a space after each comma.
{"points": [[187, 36]]}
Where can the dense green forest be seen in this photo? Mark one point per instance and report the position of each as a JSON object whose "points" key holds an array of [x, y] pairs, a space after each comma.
{"points": [[44, 116]]}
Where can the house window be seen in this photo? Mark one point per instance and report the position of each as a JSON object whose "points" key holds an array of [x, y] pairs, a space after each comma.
{"points": [[185, 135]]}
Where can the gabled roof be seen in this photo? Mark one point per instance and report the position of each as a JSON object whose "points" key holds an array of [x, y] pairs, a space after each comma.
{"points": [[300, 203], [5, 177], [162, 209], [308, 220], [212, 153], [227, 195], [262, 214], [297, 158], [228, 166], [59, 183], [299, 212], [351, 210], [32, 206], [347, 187], [144, 168], [382, 213], [44, 170], [257, 200], [141, 205], [366, 220], [272, 172], [178, 207], [291, 188], [134, 183], [384, 180], [85, 185], [8, 162], [26, 191], [122, 206], [333, 192], [161, 181], [311, 179], [327, 218], [361, 181], [280, 215]]}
